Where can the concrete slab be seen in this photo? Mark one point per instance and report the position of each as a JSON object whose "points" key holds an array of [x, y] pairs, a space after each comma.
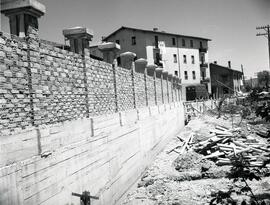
{"points": [[7, 6], [78, 31]]}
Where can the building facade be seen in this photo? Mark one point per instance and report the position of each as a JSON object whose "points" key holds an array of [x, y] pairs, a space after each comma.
{"points": [[225, 80], [182, 56]]}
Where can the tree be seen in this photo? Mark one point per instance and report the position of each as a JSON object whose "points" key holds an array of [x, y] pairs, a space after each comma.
{"points": [[264, 78]]}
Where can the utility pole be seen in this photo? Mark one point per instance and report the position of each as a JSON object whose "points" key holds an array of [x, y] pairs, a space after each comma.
{"points": [[267, 35], [242, 69]]}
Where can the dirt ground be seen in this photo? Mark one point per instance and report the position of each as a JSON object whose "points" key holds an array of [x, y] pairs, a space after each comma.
{"points": [[187, 179]]}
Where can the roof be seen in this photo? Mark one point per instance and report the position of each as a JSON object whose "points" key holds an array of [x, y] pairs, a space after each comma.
{"points": [[224, 67], [155, 32]]}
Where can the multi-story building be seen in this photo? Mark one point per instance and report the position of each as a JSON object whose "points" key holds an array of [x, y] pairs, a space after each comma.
{"points": [[180, 55], [225, 80]]}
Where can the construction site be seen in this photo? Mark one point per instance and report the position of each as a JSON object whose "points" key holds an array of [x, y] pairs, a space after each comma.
{"points": [[133, 115], [220, 157]]}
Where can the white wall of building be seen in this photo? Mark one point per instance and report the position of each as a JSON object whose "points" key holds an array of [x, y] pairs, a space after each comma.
{"points": [[145, 48]]}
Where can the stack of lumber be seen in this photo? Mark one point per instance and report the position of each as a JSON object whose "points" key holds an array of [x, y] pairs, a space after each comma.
{"points": [[224, 144]]}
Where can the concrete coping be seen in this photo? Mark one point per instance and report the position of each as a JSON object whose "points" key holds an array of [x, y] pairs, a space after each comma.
{"points": [[141, 61], [151, 67], [128, 55], [159, 70], [78, 32], [32, 7], [109, 46]]}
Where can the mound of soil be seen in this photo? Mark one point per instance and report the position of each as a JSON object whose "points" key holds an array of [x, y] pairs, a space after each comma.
{"points": [[192, 166]]}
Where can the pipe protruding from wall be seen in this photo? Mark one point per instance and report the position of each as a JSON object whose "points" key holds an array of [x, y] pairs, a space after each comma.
{"points": [[127, 59], [110, 51], [79, 38], [22, 14]]}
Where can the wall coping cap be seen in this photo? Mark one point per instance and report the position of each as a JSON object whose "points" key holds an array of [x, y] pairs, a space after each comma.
{"points": [[159, 70], [164, 72], [77, 32], [33, 7], [109, 46], [128, 54], [141, 61], [151, 66]]}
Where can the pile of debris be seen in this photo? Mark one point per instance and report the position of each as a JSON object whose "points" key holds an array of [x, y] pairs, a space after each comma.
{"points": [[224, 144]]}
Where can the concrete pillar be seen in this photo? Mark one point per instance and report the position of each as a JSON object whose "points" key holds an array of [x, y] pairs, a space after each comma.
{"points": [[170, 94], [165, 86], [110, 51], [22, 14], [151, 71], [79, 38], [127, 59], [179, 88], [159, 75], [140, 66]]}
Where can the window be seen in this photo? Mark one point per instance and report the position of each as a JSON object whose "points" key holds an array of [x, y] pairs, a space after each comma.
{"points": [[191, 43], [201, 44], [173, 41], [174, 58], [193, 75], [117, 41], [133, 40], [186, 75], [176, 73], [183, 42], [156, 41], [184, 58], [192, 59]]}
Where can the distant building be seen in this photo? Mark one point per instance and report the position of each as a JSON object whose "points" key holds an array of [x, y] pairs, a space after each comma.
{"points": [[180, 55], [225, 80], [252, 83]]}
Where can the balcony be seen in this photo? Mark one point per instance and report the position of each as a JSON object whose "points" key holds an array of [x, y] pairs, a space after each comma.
{"points": [[204, 65], [202, 50]]}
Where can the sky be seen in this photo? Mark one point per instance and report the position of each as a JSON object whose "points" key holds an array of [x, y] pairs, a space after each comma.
{"points": [[231, 24]]}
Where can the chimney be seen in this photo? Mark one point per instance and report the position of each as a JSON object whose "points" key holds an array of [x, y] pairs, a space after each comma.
{"points": [[215, 62], [155, 29], [229, 64]]}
